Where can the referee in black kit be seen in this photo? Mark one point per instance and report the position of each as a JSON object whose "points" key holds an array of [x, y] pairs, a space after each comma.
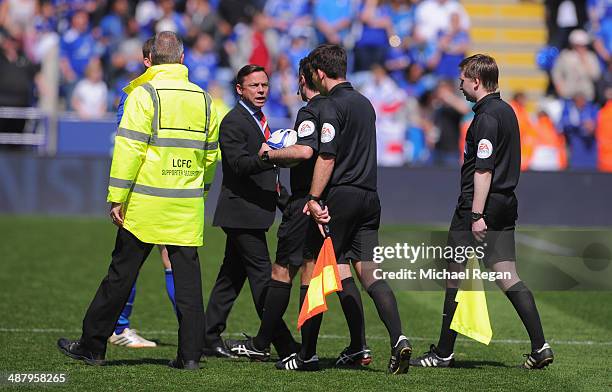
{"points": [[487, 209], [345, 179]]}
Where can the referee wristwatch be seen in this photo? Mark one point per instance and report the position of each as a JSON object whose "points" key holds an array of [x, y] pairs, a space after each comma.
{"points": [[477, 215], [313, 197], [265, 157]]}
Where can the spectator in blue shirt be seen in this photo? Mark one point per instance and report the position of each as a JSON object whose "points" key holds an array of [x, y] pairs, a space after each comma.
{"points": [[77, 48], [333, 18], [396, 62], [578, 122], [75, 5], [44, 36], [598, 10], [202, 61], [451, 49], [45, 20], [112, 25], [372, 47], [202, 16], [397, 59], [603, 41], [67, 8], [147, 13], [170, 20], [282, 99], [417, 83], [299, 45], [422, 52], [402, 17], [284, 14]]}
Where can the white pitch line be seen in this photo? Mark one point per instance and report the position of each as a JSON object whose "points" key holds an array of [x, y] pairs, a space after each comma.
{"points": [[545, 245], [331, 337]]}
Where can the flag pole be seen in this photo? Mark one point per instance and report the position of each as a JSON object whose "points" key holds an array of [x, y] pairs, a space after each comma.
{"points": [[325, 226]]}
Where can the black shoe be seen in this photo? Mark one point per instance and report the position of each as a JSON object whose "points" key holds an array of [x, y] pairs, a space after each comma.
{"points": [[180, 363], [74, 349], [294, 362], [539, 359], [286, 350], [219, 351], [432, 359], [400, 356], [246, 348], [355, 357]]}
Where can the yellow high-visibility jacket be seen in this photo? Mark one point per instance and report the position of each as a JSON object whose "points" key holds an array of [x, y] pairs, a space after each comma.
{"points": [[166, 150]]}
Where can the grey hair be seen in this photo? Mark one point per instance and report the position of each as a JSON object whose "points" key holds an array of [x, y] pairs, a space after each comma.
{"points": [[167, 48]]}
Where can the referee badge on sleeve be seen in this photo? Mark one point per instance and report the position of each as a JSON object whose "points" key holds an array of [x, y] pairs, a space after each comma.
{"points": [[485, 149], [328, 132], [306, 128]]}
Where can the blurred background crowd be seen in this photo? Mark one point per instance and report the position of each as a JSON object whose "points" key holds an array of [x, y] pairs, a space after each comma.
{"points": [[77, 55]]}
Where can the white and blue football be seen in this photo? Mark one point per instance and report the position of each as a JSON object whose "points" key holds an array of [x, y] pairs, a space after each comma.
{"points": [[282, 138]]}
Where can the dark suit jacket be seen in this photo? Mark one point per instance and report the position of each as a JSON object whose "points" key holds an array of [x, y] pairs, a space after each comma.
{"points": [[248, 197]]}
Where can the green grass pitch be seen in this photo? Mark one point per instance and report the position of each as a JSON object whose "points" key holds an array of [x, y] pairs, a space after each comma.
{"points": [[51, 268]]}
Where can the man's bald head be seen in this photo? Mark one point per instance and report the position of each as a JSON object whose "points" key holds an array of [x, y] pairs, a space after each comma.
{"points": [[167, 48]]}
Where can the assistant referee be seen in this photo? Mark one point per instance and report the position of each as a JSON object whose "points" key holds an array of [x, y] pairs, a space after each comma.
{"points": [[345, 177], [487, 209]]}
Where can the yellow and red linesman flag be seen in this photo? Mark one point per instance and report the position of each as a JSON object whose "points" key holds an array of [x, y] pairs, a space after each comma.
{"points": [[325, 280]]}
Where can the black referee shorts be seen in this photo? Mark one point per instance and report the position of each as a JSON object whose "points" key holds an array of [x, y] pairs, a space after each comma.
{"points": [[292, 232], [501, 213], [355, 219]]}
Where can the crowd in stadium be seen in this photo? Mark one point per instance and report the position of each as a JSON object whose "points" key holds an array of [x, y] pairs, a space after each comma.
{"points": [[403, 57]]}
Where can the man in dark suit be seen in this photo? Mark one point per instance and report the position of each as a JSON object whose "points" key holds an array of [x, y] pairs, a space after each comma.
{"points": [[250, 193]]}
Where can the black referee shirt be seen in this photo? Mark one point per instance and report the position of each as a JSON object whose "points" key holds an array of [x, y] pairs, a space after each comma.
{"points": [[348, 132], [492, 142], [307, 126]]}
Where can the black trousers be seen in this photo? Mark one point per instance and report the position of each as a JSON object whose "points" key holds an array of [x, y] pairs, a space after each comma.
{"points": [[246, 256], [128, 256]]}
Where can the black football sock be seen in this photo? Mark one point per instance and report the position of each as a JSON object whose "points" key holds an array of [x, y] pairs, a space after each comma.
{"points": [[303, 291], [446, 343], [522, 300], [275, 305], [386, 305], [350, 299], [310, 330]]}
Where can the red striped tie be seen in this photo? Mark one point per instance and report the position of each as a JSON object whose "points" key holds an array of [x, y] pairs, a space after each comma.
{"points": [[264, 123]]}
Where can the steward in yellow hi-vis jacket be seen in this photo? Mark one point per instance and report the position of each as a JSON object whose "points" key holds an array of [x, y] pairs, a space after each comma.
{"points": [[163, 164], [164, 160]]}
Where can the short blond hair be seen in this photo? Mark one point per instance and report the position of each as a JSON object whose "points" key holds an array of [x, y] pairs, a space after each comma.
{"points": [[483, 67]]}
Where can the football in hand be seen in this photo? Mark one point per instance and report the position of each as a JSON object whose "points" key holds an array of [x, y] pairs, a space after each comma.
{"points": [[282, 138]]}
